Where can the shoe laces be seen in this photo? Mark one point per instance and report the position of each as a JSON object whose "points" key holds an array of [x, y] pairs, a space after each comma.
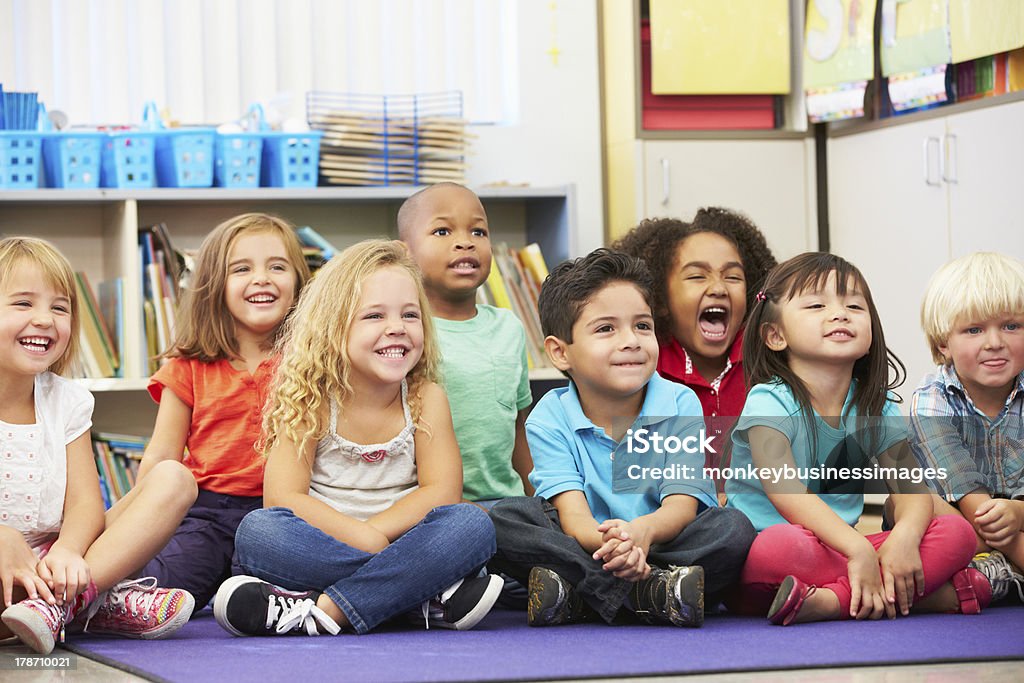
{"points": [[56, 616], [292, 614], [1000, 574], [131, 596], [435, 606]]}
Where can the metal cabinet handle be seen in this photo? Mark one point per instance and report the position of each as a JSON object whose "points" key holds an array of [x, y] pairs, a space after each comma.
{"points": [[666, 182], [949, 159], [928, 161]]}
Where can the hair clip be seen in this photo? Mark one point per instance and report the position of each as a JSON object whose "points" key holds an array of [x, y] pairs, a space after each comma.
{"points": [[761, 296]]}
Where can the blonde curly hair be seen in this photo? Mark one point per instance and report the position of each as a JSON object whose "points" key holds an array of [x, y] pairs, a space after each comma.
{"points": [[315, 365]]}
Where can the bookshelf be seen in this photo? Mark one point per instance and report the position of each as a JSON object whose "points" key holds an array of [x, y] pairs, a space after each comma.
{"points": [[98, 231]]}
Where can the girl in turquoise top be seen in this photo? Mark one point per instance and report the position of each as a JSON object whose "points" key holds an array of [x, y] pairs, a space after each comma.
{"points": [[816, 360]]}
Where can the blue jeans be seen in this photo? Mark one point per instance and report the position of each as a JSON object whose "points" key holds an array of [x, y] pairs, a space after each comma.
{"points": [[449, 543]]}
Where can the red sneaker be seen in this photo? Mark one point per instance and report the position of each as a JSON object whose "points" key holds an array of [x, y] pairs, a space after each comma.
{"points": [[37, 623], [973, 590], [137, 608]]}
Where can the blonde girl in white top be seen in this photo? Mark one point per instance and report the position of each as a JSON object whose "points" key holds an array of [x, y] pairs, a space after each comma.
{"points": [[59, 556]]}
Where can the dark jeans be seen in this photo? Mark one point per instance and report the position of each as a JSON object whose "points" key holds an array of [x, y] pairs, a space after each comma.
{"points": [[201, 554], [529, 535]]}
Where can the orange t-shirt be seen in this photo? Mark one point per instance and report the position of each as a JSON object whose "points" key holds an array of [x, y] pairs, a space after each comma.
{"points": [[227, 414]]}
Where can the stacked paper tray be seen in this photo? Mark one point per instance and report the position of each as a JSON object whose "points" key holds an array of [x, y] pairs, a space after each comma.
{"points": [[389, 139]]}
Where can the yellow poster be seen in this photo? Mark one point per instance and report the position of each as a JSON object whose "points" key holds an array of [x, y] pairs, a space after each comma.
{"points": [[914, 35], [838, 43], [711, 47], [985, 27]]}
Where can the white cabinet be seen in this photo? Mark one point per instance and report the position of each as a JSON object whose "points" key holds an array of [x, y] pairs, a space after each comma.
{"points": [[98, 231], [770, 180], [906, 198], [986, 180]]}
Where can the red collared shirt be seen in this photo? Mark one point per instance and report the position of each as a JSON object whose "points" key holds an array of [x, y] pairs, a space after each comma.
{"points": [[723, 396]]}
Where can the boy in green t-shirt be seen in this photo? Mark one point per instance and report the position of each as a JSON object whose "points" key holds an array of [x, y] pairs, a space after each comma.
{"points": [[484, 348]]}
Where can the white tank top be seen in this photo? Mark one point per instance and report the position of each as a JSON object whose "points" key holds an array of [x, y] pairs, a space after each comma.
{"points": [[362, 480]]}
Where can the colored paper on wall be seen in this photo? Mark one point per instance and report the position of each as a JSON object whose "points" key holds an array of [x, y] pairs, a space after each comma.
{"points": [[839, 42], [1015, 70], [710, 47], [979, 28], [984, 27], [915, 35]]}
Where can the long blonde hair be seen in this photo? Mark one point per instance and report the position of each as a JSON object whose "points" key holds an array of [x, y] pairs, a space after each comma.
{"points": [[205, 327], [58, 273], [315, 365]]}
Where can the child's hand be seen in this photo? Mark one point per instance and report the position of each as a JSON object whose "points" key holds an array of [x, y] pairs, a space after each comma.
{"points": [[65, 572], [636, 531], [866, 600], [998, 520], [902, 572], [625, 549], [632, 567], [18, 566], [616, 541]]}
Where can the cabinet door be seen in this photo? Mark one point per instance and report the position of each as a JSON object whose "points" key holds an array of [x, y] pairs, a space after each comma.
{"points": [[888, 216], [984, 149], [769, 180]]}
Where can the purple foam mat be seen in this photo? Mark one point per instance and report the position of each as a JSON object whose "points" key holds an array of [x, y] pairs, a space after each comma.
{"points": [[503, 648]]}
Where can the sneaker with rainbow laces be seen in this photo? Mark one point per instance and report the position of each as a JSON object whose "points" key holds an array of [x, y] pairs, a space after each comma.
{"points": [[40, 625], [138, 608], [37, 623]]}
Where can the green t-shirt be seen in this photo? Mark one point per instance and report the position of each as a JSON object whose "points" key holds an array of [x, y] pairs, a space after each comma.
{"points": [[487, 380]]}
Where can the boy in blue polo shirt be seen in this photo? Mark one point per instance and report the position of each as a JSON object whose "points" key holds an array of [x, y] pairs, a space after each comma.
{"points": [[608, 529]]}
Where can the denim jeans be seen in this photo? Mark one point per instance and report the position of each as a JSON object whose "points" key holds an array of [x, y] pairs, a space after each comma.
{"points": [[530, 535], [449, 543]]}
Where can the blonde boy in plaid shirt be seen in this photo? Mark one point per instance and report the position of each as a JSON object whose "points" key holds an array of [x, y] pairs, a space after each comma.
{"points": [[968, 416]]}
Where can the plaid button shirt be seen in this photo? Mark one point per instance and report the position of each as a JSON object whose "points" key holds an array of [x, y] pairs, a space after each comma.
{"points": [[978, 452]]}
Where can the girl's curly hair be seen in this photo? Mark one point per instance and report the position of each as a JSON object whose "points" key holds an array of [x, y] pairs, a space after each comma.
{"points": [[315, 366], [656, 241]]}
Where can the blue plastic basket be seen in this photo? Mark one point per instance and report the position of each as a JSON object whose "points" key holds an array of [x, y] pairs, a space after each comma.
{"points": [[184, 157], [238, 159], [20, 159], [128, 159], [290, 159], [72, 159]]}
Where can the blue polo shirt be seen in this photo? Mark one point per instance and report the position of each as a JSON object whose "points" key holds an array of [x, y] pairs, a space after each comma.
{"points": [[571, 453]]}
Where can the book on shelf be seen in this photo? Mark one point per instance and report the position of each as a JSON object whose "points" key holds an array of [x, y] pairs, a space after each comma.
{"points": [[162, 269], [98, 358], [111, 299], [96, 317], [315, 248], [117, 461], [514, 284]]}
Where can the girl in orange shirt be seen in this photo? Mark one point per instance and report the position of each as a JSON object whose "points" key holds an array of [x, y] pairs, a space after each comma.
{"points": [[249, 272]]}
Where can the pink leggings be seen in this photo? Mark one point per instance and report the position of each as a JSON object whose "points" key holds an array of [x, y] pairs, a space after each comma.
{"points": [[783, 549]]}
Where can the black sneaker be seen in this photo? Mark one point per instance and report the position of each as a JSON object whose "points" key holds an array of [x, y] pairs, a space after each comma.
{"points": [[552, 601], [670, 596], [463, 604], [247, 606]]}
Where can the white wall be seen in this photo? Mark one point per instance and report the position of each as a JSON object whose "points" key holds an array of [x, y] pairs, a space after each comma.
{"points": [[557, 136]]}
